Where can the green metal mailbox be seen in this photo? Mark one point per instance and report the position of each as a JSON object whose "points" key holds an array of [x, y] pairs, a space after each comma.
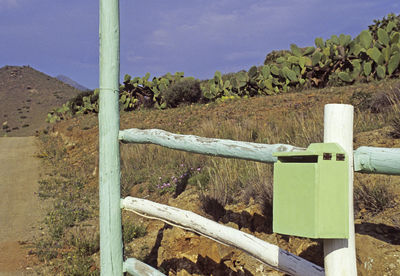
{"points": [[310, 196]]}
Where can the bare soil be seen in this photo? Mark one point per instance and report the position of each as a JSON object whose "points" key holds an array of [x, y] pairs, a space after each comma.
{"points": [[20, 209]]}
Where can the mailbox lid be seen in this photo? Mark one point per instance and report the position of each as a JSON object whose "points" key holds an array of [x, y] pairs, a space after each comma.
{"points": [[317, 149]]}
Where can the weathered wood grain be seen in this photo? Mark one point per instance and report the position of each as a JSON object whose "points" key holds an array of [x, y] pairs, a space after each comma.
{"points": [[137, 268], [208, 146], [377, 160], [265, 252]]}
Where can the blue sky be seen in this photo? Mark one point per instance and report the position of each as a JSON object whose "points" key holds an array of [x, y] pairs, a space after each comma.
{"points": [[197, 37]]}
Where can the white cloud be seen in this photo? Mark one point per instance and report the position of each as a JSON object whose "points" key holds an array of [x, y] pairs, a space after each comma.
{"points": [[161, 37], [134, 59], [7, 4], [226, 22]]}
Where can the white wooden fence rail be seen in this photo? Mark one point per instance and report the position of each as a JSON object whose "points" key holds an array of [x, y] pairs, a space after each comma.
{"points": [[208, 146], [265, 252], [137, 268]]}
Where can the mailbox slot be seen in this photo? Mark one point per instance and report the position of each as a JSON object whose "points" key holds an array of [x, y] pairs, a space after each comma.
{"points": [[299, 159]]}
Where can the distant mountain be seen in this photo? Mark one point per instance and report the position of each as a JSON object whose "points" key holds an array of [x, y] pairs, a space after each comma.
{"points": [[71, 82], [26, 96]]}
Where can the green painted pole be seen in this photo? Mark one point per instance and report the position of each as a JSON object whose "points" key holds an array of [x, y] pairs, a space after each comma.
{"points": [[111, 259]]}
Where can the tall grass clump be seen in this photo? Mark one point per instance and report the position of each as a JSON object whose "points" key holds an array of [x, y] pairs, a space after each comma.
{"points": [[376, 196], [376, 110], [395, 133]]}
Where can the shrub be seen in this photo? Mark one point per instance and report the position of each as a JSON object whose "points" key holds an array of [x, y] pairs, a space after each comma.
{"points": [[131, 231], [384, 100], [361, 100], [86, 244], [374, 198], [186, 90], [378, 102]]}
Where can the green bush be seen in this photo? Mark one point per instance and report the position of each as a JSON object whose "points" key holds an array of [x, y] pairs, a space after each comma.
{"points": [[186, 90]]}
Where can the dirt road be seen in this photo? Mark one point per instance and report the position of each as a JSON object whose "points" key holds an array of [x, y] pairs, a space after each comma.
{"points": [[20, 209]]}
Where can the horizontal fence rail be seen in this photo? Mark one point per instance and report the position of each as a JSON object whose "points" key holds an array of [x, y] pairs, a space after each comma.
{"points": [[366, 159], [377, 160], [137, 268], [265, 252], [208, 146]]}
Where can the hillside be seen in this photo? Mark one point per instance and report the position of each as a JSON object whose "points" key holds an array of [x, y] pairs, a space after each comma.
{"points": [[26, 96], [235, 193]]}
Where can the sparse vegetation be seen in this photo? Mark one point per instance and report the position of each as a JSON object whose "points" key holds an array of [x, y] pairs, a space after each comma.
{"points": [[131, 231], [21, 100], [395, 133], [70, 208], [375, 198]]}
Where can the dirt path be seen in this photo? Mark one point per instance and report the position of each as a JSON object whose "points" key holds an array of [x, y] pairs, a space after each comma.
{"points": [[20, 209]]}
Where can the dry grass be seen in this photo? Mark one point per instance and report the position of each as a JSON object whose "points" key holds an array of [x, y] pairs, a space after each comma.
{"points": [[395, 122], [229, 180], [374, 196], [226, 181], [295, 119]]}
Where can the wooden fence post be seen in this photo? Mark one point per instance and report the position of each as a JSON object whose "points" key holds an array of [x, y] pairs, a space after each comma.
{"points": [[109, 164], [340, 254]]}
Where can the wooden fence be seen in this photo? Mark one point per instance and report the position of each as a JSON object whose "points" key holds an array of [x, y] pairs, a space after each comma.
{"points": [[339, 254]]}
